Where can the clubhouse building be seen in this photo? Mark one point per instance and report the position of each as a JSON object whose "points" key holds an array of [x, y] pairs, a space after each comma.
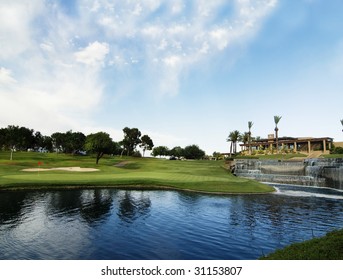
{"points": [[301, 144]]}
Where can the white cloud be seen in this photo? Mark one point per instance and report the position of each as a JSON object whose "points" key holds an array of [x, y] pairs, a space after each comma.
{"points": [[47, 46], [15, 33], [42, 84], [172, 61], [6, 77], [201, 33], [220, 38], [59, 58], [177, 7], [93, 54]]}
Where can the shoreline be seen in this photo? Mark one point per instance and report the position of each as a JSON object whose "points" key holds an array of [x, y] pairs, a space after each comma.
{"points": [[122, 187]]}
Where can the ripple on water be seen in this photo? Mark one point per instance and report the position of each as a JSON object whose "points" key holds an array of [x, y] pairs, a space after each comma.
{"points": [[112, 224]]}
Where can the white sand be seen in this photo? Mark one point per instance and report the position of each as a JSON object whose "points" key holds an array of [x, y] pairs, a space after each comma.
{"points": [[73, 169]]}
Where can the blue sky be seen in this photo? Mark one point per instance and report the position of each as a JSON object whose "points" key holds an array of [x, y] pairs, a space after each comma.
{"points": [[183, 72]]}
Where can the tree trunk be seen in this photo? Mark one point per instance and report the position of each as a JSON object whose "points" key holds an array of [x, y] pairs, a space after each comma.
{"points": [[277, 140], [99, 156]]}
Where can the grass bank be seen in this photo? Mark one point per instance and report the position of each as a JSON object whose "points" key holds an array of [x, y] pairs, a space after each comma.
{"points": [[329, 247], [201, 176]]}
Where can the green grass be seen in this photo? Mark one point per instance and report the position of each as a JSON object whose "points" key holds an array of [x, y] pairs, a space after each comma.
{"points": [[329, 247], [202, 176], [333, 156]]}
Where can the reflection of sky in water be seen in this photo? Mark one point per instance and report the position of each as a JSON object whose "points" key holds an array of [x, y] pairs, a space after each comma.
{"points": [[51, 240], [128, 224]]}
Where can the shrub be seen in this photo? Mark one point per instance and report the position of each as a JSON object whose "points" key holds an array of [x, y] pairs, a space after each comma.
{"points": [[337, 150], [137, 154]]}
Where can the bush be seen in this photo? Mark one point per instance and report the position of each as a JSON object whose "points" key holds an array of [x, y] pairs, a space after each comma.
{"points": [[337, 150], [137, 154]]}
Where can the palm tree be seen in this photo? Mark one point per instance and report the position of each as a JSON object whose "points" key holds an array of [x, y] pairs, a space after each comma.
{"points": [[250, 124], [234, 137], [342, 123], [229, 139], [276, 120]]}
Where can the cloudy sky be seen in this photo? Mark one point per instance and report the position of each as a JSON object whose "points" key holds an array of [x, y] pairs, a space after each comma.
{"points": [[183, 72]]}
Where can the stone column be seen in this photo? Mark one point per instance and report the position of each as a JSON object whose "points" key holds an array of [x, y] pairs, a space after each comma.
{"points": [[295, 146], [309, 146], [324, 146]]}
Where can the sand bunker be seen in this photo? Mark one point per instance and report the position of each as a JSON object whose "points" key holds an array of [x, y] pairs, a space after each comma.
{"points": [[73, 169], [122, 163]]}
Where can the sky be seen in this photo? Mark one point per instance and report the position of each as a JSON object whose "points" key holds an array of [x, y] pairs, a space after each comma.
{"points": [[183, 72]]}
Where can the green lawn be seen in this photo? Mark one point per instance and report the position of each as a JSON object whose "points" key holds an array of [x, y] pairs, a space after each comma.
{"points": [[204, 176], [329, 247], [333, 156]]}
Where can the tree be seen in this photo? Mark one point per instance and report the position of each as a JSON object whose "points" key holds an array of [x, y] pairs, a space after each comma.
{"points": [[216, 155], [131, 139], [234, 137], [58, 141], [342, 123], [177, 152], [3, 143], [17, 138], [146, 143], [160, 151], [42, 143], [276, 120], [116, 148], [193, 152], [245, 138], [74, 142], [46, 143], [69, 142], [99, 143], [250, 124]]}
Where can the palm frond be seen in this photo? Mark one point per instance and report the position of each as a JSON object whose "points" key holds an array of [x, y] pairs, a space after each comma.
{"points": [[277, 119]]}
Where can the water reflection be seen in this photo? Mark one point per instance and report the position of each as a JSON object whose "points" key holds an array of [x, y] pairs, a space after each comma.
{"points": [[96, 205], [133, 207], [11, 206], [127, 224]]}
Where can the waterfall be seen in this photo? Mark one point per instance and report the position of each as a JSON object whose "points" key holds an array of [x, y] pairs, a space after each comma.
{"points": [[310, 172]]}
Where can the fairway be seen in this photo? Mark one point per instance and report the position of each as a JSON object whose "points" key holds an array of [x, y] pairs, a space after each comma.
{"points": [[63, 171]]}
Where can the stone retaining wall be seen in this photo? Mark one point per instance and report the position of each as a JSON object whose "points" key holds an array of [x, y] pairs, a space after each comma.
{"points": [[309, 172]]}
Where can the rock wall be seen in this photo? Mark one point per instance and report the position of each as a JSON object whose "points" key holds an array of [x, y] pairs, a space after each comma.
{"points": [[308, 172]]}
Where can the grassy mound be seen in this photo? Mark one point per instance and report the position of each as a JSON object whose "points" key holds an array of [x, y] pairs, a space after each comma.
{"points": [[329, 247], [203, 176]]}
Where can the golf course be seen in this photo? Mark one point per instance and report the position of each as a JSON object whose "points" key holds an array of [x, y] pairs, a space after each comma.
{"points": [[31, 170]]}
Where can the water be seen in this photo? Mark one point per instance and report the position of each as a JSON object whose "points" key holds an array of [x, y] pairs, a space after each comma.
{"points": [[131, 224]]}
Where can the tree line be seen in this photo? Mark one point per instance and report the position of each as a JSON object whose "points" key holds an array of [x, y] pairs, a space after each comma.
{"points": [[15, 138], [189, 152]]}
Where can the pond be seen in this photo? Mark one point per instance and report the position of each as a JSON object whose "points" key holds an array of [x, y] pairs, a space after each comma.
{"points": [[135, 224]]}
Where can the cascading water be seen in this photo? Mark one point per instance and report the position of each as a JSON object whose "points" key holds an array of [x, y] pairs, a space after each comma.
{"points": [[307, 191], [310, 172]]}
